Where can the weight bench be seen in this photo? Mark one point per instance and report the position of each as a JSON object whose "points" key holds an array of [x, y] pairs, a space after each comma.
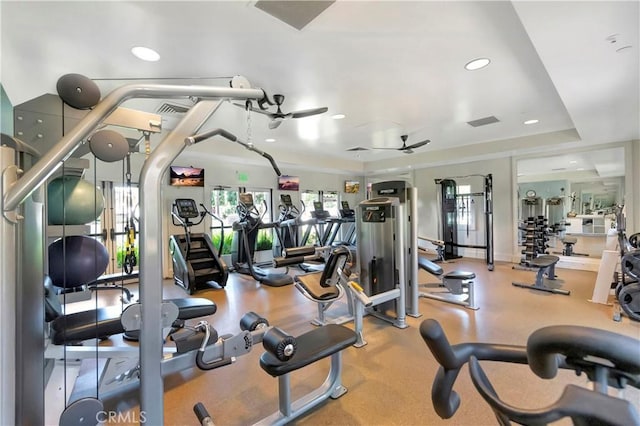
{"points": [[459, 285], [104, 322], [568, 247], [312, 346], [324, 287], [546, 264]]}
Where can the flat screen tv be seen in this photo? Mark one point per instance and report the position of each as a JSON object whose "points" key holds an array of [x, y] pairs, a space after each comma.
{"points": [[186, 176]]}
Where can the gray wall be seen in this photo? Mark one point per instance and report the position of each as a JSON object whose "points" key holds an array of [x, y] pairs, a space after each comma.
{"points": [[6, 113]]}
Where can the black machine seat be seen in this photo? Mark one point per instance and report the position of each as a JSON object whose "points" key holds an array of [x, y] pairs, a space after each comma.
{"points": [[104, 322], [435, 269], [544, 261], [312, 284], [321, 285], [311, 346], [460, 275], [275, 280]]}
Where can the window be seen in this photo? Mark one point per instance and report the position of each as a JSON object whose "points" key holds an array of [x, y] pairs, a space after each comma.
{"points": [[223, 205], [330, 202], [466, 206]]}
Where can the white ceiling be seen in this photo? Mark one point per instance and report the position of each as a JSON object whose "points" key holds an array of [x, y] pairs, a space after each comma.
{"points": [[392, 67]]}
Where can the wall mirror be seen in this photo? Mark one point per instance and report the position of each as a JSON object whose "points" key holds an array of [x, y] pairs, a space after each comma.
{"points": [[575, 193]]}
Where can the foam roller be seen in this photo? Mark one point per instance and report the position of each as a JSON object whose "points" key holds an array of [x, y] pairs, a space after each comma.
{"points": [[279, 344]]}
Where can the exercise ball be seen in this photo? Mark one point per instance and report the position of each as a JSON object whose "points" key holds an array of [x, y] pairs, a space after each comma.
{"points": [[73, 201], [76, 260]]}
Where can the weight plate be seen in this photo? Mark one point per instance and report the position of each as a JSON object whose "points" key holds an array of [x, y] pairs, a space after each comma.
{"points": [[630, 264], [629, 299]]}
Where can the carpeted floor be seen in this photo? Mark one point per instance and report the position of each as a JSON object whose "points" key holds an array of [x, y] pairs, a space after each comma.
{"points": [[389, 380]]}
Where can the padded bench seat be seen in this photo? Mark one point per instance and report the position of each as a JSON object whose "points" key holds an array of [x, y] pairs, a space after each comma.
{"points": [[311, 347], [104, 322], [311, 284], [544, 261], [435, 269], [460, 275]]}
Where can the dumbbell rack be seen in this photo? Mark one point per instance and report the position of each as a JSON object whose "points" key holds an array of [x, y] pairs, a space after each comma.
{"points": [[535, 238]]}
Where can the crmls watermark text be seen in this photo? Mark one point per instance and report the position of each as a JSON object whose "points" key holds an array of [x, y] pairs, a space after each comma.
{"points": [[106, 417]]}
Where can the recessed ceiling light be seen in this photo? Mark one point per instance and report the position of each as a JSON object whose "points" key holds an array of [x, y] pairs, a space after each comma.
{"points": [[270, 140], [534, 121], [338, 116], [573, 162], [580, 169], [145, 53], [476, 64]]}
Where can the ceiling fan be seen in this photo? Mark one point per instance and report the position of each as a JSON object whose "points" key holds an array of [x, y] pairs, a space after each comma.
{"points": [[408, 149], [278, 117]]}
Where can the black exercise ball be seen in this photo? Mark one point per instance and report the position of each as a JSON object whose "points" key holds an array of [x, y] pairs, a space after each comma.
{"points": [[76, 260]]}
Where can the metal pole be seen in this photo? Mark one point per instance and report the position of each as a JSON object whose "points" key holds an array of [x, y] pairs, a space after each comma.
{"points": [[8, 277], [412, 245], [488, 208], [151, 384]]}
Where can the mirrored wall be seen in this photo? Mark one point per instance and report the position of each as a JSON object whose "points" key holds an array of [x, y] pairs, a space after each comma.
{"points": [[575, 193]]}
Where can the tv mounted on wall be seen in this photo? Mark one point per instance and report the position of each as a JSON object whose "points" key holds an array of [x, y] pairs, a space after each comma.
{"points": [[288, 183], [186, 176]]}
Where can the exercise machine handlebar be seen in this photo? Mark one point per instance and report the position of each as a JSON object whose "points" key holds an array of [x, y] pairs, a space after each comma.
{"points": [[202, 414], [231, 137]]}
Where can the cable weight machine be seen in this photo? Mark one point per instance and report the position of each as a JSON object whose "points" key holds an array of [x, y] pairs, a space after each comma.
{"points": [[454, 205]]}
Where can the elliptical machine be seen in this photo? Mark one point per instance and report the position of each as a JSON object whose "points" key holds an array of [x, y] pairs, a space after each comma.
{"points": [[288, 222], [244, 243], [197, 264]]}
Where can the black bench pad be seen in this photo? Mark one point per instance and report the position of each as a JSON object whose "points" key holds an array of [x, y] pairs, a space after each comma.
{"points": [[311, 347], [544, 261], [460, 275], [104, 322], [429, 266], [311, 284]]}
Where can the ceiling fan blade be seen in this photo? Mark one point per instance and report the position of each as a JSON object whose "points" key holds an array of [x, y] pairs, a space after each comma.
{"points": [[308, 112], [391, 149], [418, 144], [273, 124]]}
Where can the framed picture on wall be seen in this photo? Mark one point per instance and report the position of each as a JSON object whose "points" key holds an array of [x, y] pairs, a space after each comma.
{"points": [[351, 186], [289, 183], [186, 176]]}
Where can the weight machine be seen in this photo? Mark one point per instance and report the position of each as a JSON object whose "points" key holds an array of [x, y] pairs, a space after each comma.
{"points": [[455, 205]]}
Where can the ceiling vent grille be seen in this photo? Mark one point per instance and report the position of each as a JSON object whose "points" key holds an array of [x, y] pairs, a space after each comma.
{"points": [[357, 148], [168, 108], [483, 121]]}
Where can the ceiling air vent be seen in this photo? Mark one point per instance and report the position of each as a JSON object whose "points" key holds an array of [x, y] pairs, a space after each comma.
{"points": [[296, 13], [168, 108], [358, 148], [483, 121]]}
